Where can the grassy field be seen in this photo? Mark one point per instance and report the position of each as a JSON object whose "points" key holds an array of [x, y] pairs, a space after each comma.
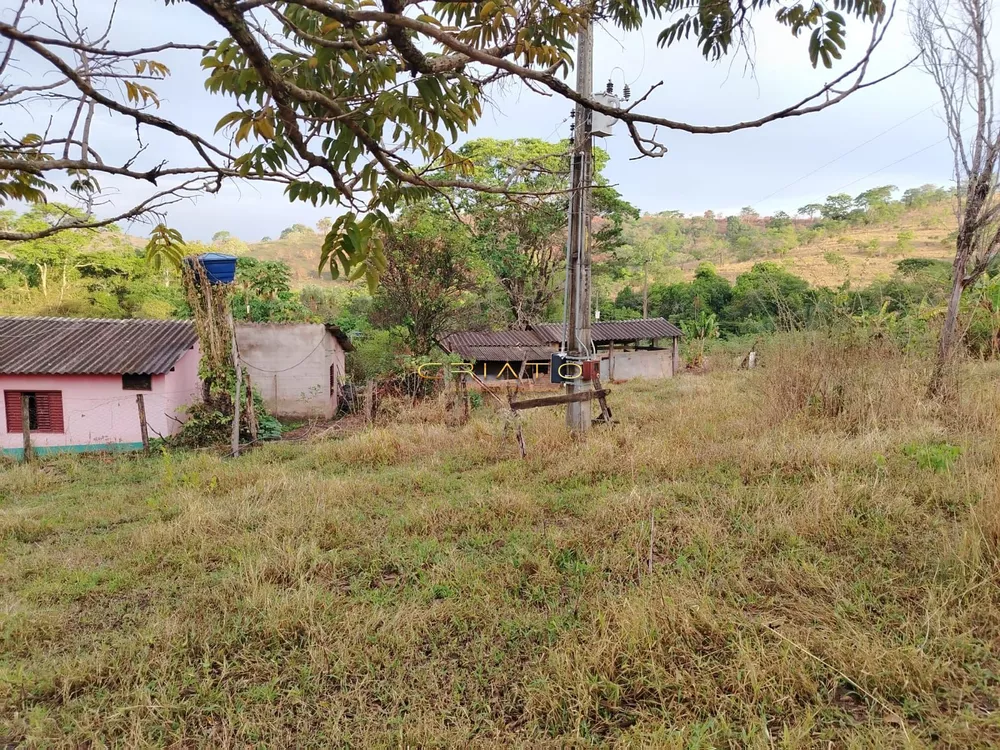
{"points": [[805, 555]]}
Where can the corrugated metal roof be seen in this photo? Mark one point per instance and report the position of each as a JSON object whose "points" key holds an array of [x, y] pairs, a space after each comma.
{"points": [[497, 346], [625, 330], [92, 346], [551, 333], [491, 338], [614, 330], [505, 353]]}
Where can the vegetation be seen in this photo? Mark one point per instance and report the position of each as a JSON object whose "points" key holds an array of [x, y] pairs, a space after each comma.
{"points": [[809, 562], [342, 104]]}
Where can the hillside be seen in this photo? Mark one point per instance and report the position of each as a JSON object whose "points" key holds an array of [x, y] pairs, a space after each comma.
{"points": [[301, 252], [860, 253]]}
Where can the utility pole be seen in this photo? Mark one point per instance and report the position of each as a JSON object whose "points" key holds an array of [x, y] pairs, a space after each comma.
{"points": [[579, 343]]}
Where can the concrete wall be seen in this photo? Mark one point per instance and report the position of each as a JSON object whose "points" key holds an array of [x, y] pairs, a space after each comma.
{"points": [[98, 414], [290, 366], [641, 363]]}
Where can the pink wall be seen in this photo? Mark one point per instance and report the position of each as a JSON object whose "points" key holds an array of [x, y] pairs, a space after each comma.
{"points": [[98, 411]]}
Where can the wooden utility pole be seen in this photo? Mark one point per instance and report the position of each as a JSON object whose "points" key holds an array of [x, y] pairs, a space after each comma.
{"points": [[143, 428], [578, 268], [29, 454]]}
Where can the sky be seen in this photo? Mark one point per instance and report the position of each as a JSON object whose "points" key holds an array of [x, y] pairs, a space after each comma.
{"points": [[889, 134]]}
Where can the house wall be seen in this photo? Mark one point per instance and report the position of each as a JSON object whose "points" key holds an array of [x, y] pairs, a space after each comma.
{"points": [[641, 363], [290, 366], [98, 414]]}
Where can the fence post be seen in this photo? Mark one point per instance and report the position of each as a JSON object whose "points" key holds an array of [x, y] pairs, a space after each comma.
{"points": [[142, 423], [235, 441], [29, 453], [370, 402]]}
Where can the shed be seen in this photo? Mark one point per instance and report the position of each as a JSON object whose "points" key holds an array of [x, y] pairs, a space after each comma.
{"points": [[81, 377], [642, 347], [628, 349], [297, 368]]}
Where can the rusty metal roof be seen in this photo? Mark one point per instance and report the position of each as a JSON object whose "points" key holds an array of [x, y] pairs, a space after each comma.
{"points": [[505, 353], [627, 330], [491, 338], [497, 346], [551, 333], [613, 330], [535, 344], [92, 346]]}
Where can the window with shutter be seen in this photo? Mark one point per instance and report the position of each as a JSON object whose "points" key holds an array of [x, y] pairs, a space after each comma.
{"points": [[45, 410]]}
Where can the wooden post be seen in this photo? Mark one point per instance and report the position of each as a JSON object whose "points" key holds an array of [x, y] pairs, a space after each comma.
{"points": [[675, 360], [143, 428], [602, 399], [235, 440], [370, 402], [29, 453]]}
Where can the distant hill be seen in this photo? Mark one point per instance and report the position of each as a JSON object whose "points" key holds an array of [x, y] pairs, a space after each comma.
{"points": [[830, 256], [826, 257], [301, 251]]}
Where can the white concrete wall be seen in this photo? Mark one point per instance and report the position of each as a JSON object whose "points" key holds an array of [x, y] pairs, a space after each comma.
{"points": [[642, 363], [289, 365]]}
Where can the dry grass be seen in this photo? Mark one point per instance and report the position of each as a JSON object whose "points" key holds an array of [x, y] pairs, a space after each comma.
{"points": [[866, 253], [747, 560]]}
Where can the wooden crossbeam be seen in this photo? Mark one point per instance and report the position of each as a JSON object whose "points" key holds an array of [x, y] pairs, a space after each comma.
{"points": [[566, 398]]}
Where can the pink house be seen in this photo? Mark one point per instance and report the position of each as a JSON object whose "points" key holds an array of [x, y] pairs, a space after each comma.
{"points": [[81, 378]]}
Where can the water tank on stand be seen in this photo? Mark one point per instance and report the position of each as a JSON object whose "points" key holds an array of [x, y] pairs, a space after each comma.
{"points": [[220, 268]]}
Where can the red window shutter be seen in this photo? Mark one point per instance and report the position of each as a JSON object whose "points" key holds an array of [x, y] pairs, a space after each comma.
{"points": [[12, 408], [50, 412], [56, 411]]}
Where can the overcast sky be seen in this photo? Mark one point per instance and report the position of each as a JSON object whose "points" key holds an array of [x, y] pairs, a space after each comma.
{"points": [[767, 168]]}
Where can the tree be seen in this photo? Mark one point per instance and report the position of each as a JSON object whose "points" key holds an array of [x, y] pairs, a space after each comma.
{"points": [[771, 298], [429, 269], [779, 220], [58, 253], [837, 207], [294, 229], [343, 103], [811, 210], [523, 242], [264, 293], [875, 198], [221, 236], [648, 242], [953, 36]]}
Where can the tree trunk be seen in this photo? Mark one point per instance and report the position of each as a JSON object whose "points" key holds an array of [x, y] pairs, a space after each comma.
{"points": [[43, 271], [946, 346]]}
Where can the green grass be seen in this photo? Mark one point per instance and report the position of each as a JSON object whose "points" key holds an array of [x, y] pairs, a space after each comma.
{"points": [[817, 575]]}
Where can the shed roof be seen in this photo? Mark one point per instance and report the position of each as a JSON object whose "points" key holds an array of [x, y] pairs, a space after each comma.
{"points": [[342, 338], [536, 343], [627, 330], [614, 330], [92, 346]]}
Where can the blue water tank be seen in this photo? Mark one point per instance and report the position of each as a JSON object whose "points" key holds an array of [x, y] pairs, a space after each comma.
{"points": [[221, 269]]}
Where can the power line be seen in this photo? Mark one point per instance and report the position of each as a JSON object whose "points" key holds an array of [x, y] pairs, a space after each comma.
{"points": [[846, 153], [887, 166]]}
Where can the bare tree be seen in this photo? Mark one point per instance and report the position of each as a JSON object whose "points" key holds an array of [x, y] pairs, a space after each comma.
{"points": [[953, 36], [351, 103]]}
